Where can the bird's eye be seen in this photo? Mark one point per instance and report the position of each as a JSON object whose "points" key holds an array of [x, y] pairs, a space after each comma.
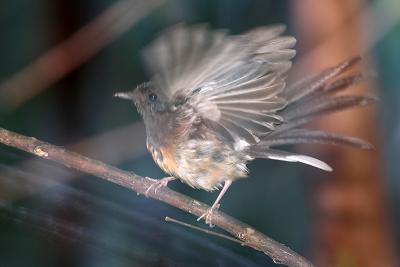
{"points": [[152, 97]]}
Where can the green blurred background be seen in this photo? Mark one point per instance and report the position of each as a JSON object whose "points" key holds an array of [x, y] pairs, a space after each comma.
{"points": [[52, 216]]}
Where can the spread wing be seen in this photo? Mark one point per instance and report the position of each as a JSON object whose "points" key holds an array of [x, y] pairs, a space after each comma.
{"points": [[236, 85], [231, 81]]}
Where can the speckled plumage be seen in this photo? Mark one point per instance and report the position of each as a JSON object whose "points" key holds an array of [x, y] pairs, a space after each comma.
{"points": [[198, 157]]}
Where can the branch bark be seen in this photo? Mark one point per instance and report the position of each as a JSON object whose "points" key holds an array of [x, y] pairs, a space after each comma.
{"points": [[248, 235]]}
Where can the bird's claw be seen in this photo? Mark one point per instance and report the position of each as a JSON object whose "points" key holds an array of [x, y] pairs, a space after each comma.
{"points": [[157, 184], [208, 215]]}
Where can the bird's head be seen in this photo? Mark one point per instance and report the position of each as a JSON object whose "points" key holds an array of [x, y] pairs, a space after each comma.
{"points": [[148, 100], [155, 108]]}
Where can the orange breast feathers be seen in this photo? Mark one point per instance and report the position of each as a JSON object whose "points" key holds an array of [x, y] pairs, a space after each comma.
{"points": [[164, 157]]}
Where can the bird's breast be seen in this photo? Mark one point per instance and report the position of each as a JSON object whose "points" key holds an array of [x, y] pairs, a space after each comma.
{"points": [[164, 156], [204, 163], [207, 163]]}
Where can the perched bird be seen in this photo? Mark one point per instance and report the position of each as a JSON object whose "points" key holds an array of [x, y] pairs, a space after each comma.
{"points": [[217, 101]]}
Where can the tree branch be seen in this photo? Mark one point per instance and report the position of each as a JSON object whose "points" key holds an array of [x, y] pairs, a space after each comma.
{"points": [[248, 235]]}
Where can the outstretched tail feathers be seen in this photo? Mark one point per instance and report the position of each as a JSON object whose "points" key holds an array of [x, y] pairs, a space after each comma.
{"points": [[306, 136], [307, 100], [315, 84]]}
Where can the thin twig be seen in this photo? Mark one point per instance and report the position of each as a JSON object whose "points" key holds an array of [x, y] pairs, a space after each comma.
{"points": [[206, 231], [248, 235]]}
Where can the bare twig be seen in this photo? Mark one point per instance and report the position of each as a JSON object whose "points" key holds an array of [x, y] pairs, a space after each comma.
{"points": [[246, 234], [206, 231]]}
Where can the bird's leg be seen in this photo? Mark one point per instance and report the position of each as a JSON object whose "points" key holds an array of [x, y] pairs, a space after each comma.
{"points": [[157, 184], [210, 212]]}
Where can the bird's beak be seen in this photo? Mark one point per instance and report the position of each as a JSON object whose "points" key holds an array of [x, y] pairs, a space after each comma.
{"points": [[125, 95]]}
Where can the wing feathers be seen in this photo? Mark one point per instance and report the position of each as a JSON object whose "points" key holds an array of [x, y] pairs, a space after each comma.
{"points": [[238, 131], [236, 85], [268, 105], [261, 83], [265, 33], [276, 44], [233, 81], [326, 105], [277, 56], [263, 92], [254, 114], [256, 127]]}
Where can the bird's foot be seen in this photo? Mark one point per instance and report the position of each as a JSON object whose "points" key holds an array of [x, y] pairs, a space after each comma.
{"points": [[208, 215], [157, 184]]}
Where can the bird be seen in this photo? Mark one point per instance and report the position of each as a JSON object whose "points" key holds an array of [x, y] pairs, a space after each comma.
{"points": [[216, 101]]}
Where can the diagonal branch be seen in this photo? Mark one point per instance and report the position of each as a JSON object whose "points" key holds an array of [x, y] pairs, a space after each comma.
{"points": [[248, 235]]}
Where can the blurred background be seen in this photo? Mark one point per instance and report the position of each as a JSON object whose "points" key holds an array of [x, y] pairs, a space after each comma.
{"points": [[62, 61]]}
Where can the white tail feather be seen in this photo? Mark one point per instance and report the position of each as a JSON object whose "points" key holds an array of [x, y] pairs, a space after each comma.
{"points": [[303, 159]]}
